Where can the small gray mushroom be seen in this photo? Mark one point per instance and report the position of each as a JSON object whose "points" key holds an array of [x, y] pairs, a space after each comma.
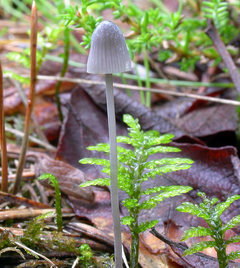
{"points": [[108, 55]]}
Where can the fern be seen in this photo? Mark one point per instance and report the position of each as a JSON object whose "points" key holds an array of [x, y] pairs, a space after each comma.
{"points": [[211, 214], [217, 10], [134, 168]]}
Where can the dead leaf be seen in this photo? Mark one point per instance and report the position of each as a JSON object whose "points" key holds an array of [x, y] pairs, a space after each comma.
{"points": [[68, 177], [198, 123], [46, 115], [85, 125], [13, 102]]}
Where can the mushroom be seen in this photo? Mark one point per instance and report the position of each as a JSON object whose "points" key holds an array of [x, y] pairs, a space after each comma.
{"points": [[108, 55]]}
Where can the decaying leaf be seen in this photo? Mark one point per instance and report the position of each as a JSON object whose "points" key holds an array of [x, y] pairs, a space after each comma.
{"points": [[68, 177]]}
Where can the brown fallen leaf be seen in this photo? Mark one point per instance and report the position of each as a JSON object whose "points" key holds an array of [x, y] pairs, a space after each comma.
{"points": [[13, 102], [213, 172], [209, 120], [46, 115], [68, 177], [199, 123], [86, 125]]}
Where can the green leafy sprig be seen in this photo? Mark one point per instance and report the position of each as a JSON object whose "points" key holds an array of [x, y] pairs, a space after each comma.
{"points": [[54, 182], [211, 213], [175, 37], [133, 169], [217, 10]]}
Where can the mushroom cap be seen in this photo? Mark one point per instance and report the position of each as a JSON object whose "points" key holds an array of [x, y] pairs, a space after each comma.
{"points": [[108, 53]]}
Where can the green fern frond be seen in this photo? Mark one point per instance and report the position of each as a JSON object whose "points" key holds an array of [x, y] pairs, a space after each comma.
{"points": [[134, 168], [217, 10]]}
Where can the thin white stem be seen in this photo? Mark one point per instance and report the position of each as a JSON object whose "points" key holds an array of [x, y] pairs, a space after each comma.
{"points": [[114, 171], [75, 262]]}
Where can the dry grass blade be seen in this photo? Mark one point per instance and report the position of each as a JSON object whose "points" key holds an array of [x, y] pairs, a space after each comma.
{"points": [[164, 91], [33, 47], [34, 253], [3, 139]]}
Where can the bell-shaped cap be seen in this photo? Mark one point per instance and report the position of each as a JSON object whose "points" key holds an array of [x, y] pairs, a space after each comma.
{"points": [[108, 53]]}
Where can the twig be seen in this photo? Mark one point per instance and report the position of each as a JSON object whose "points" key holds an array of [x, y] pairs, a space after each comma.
{"points": [[177, 245], [168, 92], [166, 240], [3, 139], [33, 47], [226, 57], [179, 248]]}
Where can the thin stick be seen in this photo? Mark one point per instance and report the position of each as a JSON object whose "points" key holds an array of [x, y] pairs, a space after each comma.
{"points": [[180, 83], [114, 171], [3, 139], [33, 47], [226, 57], [168, 92]]}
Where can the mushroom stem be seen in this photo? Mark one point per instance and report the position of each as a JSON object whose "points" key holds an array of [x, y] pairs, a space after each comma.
{"points": [[114, 171]]}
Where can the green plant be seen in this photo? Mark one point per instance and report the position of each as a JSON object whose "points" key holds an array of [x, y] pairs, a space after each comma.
{"points": [[217, 10], [8, 241], [54, 182], [86, 255], [33, 230], [211, 213], [35, 239], [176, 38], [133, 169], [185, 37]]}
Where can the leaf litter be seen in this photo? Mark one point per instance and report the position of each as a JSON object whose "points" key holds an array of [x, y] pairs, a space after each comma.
{"points": [[215, 171]]}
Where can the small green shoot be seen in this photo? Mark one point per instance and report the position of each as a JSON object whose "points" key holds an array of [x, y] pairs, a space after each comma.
{"points": [[34, 228], [211, 213], [133, 169], [54, 182], [86, 255]]}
